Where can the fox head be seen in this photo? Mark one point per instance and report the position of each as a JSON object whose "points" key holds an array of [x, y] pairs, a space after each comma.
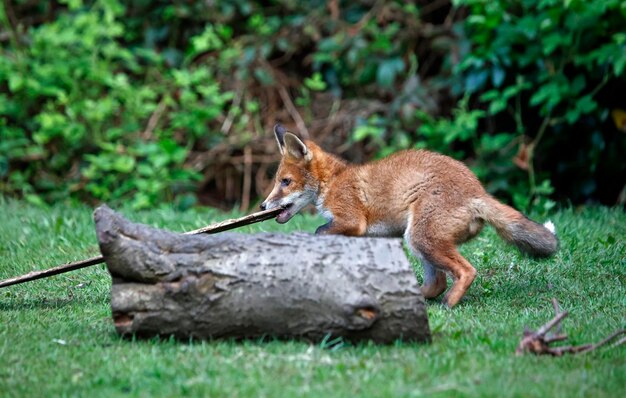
{"points": [[294, 185]]}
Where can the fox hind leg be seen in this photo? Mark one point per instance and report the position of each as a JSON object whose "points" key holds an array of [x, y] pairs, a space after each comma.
{"points": [[434, 280], [463, 273], [440, 256]]}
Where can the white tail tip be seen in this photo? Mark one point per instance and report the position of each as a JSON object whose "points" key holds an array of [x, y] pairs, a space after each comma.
{"points": [[550, 226]]}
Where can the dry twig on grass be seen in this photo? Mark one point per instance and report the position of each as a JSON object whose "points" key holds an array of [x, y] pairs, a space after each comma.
{"points": [[538, 342]]}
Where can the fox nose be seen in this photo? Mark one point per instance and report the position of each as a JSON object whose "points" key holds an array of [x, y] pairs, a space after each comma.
{"points": [[263, 206]]}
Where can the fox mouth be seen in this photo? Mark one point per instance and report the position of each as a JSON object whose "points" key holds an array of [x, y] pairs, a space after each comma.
{"points": [[286, 214]]}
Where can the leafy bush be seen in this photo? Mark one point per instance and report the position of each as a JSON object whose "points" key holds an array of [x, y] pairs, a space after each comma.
{"points": [[550, 71], [83, 115]]}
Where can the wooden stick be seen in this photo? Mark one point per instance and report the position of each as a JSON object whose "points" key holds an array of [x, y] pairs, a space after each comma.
{"points": [[210, 229], [552, 323], [557, 311], [615, 334]]}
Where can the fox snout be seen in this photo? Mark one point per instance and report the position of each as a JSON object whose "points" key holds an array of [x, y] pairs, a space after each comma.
{"points": [[291, 203], [272, 201], [289, 210], [267, 204]]}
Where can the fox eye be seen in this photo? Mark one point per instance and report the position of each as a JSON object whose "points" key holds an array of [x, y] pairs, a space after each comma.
{"points": [[285, 182]]}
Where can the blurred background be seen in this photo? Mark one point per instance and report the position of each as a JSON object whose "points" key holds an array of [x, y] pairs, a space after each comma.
{"points": [[153, 102]]}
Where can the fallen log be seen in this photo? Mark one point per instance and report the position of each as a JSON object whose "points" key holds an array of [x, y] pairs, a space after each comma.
{"points": [[251, 285]]}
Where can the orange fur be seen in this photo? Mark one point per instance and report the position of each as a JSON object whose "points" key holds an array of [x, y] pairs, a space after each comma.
{"points": [[432, 200]]}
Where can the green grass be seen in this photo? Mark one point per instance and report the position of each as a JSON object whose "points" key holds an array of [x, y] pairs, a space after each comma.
{"points": [[57, 337]]}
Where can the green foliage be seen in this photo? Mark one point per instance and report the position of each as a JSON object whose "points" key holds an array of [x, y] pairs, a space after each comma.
{"points": [[84, 115], [541, 67], [133, 101]]}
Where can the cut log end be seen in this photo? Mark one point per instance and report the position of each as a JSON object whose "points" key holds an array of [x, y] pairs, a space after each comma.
{"points": [[246, 286]]}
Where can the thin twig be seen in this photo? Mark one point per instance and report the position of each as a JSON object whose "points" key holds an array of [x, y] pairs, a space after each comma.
{"points": [[557, 337], [568, 349], [433, 6], [606, 340], [557, 310], [154, 120], [354, 29], [11, 20], [293, 112], [552, 323], [31, 276], [230, 117], [531, 154], [333, 8], [247, 178], [619, 342]]}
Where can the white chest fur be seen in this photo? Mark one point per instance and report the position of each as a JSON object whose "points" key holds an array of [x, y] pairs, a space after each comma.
{"points": [[321, 210]]}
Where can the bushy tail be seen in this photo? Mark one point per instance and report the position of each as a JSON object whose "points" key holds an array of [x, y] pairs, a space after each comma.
{"points": [[530, 237]]}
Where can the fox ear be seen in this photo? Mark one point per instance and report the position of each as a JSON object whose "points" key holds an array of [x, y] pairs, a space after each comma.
{"points": [[296, 148], [279, 132]]}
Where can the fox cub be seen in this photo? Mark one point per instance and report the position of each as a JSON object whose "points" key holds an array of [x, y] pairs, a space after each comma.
{"points": [[432, 200]]}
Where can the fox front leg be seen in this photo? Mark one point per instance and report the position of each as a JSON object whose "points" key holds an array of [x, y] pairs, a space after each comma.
{"points": [[323, 229], [341, 227]]}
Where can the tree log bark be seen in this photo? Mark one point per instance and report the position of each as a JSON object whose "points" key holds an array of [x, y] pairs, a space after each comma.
{"points": [[251, 285]]}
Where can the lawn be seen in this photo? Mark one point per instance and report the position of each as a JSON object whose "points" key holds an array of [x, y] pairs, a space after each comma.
{"points": [[57, 337]]}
